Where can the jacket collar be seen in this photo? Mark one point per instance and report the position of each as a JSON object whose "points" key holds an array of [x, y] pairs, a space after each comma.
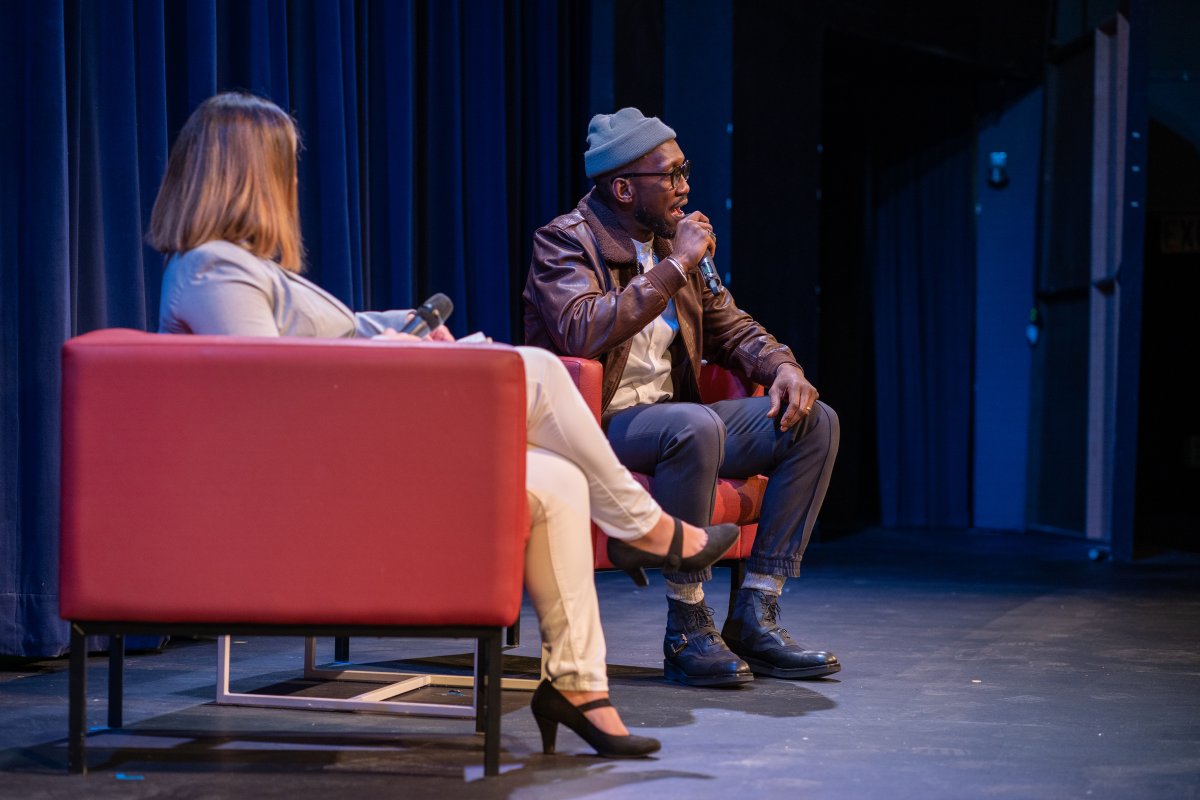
{"points": [[616, 245]]}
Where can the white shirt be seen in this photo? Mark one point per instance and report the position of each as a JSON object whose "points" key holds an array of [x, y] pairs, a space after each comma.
{"points": [[647, 375]]}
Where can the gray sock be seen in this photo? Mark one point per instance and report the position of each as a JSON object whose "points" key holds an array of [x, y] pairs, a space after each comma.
{"points": [[769, 584], [691, 593]]}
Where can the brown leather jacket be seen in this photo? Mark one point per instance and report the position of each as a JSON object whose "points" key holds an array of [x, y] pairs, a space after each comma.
{"points": [[585, 297]]}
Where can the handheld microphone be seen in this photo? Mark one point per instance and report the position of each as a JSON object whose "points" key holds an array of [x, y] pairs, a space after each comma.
{"points": [[709, 270], [433, 312]]}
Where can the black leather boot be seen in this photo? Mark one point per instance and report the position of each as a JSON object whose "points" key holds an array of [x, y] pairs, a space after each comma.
{"points": [[694, 652], [752, 631]]}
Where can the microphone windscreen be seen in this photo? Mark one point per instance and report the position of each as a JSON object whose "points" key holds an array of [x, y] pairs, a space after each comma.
{"points": [[432, 313], [441, 305]]}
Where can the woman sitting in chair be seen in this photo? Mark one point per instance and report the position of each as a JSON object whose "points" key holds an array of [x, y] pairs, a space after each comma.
{"points": [[227, 215]]}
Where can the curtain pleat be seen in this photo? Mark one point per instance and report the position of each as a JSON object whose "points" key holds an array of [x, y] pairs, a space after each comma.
{"points": [[36, 320], [388, 149], [485, 171], [922, 289], [320, 73], [440, 128]]}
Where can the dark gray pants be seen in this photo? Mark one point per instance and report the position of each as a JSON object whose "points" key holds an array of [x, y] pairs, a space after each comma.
{"points": [[687, 446]]}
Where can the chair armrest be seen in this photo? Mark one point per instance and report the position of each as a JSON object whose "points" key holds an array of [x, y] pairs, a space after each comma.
{"points": [[718, 383], [588, 375]]}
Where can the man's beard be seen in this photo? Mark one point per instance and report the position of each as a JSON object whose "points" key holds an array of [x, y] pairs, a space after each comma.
{"points": [[659, 226]]}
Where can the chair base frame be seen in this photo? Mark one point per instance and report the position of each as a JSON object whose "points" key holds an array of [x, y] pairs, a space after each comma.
{"points": [[379, 700], [487, 680]]}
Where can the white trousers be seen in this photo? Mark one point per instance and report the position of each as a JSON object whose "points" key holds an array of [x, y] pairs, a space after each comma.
{"points": [[572, 478]]}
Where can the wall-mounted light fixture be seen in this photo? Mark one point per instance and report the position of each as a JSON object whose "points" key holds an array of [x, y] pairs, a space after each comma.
{"points": [[998, 169]]}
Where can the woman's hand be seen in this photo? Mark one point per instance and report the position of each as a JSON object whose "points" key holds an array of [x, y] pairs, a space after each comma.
{"points": [[392, 333], [440, 334]]}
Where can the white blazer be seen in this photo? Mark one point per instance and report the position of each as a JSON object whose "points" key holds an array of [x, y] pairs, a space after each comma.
{"points": [[222, 288]]}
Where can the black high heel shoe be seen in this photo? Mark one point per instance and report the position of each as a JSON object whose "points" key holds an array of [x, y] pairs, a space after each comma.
{"points": [[550, 708], [634, 561]]}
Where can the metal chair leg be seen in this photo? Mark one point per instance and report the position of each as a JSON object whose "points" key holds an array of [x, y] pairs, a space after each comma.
{"points": [[512, 634], [116, 681], [490, 650], [77, 703]]}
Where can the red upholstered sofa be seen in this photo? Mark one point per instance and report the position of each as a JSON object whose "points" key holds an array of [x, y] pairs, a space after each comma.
{"points": [[223, 485], [738, 501]]}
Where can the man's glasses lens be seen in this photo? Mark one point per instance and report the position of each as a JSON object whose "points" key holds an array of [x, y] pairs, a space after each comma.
{"points": [[681, 173]]}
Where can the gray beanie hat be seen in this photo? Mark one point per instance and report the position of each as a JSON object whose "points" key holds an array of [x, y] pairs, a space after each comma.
{"points": [[614, 140]]}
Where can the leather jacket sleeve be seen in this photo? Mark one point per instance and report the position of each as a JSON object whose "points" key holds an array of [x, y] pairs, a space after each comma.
{"points": [[580, 308], [736, 341]]}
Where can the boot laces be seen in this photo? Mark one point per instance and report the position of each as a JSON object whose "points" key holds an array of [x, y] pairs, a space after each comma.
{"points": [[770, 607], [700, 619]]}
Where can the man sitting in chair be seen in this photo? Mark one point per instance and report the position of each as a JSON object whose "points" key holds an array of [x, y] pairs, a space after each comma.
{"points": [[618, 279]]}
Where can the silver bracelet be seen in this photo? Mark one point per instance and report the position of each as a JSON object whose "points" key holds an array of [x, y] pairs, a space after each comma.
{"points": [[678, 265]]}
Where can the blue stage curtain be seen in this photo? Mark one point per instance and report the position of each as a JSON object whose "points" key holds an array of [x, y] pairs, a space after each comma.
{"points": [[435, 134], [923, 295], [36, 291]]}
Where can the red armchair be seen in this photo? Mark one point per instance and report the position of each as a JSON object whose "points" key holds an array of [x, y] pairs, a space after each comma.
{"points": [[737, 501], [217, 485]]}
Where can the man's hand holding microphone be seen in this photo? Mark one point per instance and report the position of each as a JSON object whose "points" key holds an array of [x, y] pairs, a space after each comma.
{"points": [[695, 244]]}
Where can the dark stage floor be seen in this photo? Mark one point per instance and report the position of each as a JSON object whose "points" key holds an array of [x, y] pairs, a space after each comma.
{"points": [[975, 666]]}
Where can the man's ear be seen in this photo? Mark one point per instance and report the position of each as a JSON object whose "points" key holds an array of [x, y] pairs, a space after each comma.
{"points": [[622, 190]]}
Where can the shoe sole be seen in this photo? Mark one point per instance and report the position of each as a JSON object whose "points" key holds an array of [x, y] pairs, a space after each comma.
{"points": [[679, 676], [763, 668]]}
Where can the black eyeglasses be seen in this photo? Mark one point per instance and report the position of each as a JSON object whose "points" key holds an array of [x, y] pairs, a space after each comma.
{"points": [[683, 171]]}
